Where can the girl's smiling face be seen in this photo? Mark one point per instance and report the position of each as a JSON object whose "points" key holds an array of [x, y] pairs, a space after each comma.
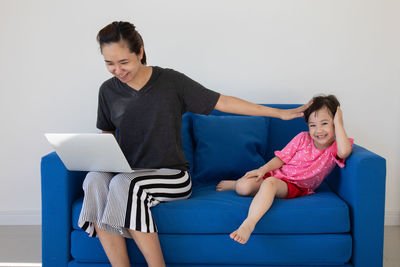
{"points": [[321, 128]]}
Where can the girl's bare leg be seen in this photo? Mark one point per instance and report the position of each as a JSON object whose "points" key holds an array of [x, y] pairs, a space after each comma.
{"points": [[269, 189], [149, 245], [115, 247], [242, 186], [248, 187]]}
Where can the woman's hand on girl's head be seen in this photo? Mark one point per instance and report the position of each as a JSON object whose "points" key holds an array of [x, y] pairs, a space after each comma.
{"points": [[289, 114]]}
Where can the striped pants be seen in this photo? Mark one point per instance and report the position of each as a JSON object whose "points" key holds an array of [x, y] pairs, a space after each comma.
{"points": [[118, 202]]}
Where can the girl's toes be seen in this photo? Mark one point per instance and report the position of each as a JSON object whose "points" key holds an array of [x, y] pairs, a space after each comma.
{"points": [[233, 235]]}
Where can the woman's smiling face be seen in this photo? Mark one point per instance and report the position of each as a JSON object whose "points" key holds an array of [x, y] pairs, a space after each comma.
{"points": [[120, 61]]}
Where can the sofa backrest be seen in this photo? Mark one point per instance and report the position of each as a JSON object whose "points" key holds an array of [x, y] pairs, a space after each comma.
{"points": [[227, 147]]}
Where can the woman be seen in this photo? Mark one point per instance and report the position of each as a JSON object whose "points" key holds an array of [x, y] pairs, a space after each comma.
{"points": [[142, 107]]}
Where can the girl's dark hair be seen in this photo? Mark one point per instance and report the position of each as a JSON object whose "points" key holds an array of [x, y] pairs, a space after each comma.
{"points": [[330, 102], [125, 31]]}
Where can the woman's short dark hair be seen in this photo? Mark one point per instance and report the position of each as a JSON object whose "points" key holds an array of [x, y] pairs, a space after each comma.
{"points": [[330, 102], [125, 31]]}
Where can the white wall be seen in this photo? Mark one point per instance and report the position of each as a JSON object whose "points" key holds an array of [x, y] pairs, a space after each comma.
{"points": [[263, 51]]}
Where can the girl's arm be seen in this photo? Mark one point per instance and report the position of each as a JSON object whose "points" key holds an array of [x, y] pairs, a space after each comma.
{"points": [[344, 147], [236, 105], [271, 165]]}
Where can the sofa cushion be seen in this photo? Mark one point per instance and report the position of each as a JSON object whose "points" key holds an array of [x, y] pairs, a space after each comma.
{"points": [[226, 147], [272, 250], [210, 212]]}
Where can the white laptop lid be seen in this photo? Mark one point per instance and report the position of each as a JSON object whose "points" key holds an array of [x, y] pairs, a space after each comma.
{"points": [[90, 152]]}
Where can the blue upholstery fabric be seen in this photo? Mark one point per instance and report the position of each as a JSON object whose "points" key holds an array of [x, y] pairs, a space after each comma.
{"points": [[364, 192], [187, 139], [329, 228], [60, 188], [219, 249], [211, 212], [228, 146]]}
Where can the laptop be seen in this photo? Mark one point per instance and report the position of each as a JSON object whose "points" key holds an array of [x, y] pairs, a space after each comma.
{"points": [[91, 152]]}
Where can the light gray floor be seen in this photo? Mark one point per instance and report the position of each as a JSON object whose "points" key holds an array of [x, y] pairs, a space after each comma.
{"points": [[391, 251], [20, 244], [23, 244]]}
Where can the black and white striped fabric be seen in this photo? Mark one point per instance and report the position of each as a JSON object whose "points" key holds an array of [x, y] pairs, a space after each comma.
{"points": [[118, 202]]}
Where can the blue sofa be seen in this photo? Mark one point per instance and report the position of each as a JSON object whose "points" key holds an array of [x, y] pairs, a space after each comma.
{"points": [[340, 225]]}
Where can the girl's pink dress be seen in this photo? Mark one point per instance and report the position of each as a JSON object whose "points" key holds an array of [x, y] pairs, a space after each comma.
{"points": [[305, 165]]}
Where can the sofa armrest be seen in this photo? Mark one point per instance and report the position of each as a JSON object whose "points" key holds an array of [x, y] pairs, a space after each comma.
{"points": [[60, 188], [362, 185]]}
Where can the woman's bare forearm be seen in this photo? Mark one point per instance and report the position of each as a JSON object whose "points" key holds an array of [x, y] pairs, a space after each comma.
{"points": [[231, 104]]}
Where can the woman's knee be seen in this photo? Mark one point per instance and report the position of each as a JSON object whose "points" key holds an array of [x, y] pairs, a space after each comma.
{"points": [[96, 180], [119, 183]]}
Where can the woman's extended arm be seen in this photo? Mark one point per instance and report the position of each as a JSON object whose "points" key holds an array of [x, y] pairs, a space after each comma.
{"points": [[236, 105]]}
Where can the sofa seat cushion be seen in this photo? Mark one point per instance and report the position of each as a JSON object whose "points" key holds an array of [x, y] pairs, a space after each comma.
{"points": [[321, 249], [210, 212]]}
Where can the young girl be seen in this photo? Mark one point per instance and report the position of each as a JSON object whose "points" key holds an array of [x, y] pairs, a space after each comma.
{"points": [[299, 168]]}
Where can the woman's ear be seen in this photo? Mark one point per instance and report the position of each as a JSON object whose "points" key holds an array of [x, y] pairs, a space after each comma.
{"points": [[141, 53]]}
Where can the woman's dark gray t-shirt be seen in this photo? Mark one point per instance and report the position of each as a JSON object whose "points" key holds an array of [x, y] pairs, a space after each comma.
{"points": [[148, 122]]}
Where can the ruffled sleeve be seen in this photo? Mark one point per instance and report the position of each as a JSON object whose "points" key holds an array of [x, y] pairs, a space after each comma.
{"points": [[339, 161], [287, 153]]}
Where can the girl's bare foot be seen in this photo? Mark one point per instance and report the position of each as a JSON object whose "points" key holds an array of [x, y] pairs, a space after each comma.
{"points": [[243, 233], [226, 185]]}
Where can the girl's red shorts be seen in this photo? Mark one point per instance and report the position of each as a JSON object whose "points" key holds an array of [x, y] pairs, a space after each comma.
{"points": [[293, 190]]}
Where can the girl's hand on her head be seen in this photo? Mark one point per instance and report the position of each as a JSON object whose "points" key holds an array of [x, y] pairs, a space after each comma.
{"points": [[288, 114], [338, 119]]}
